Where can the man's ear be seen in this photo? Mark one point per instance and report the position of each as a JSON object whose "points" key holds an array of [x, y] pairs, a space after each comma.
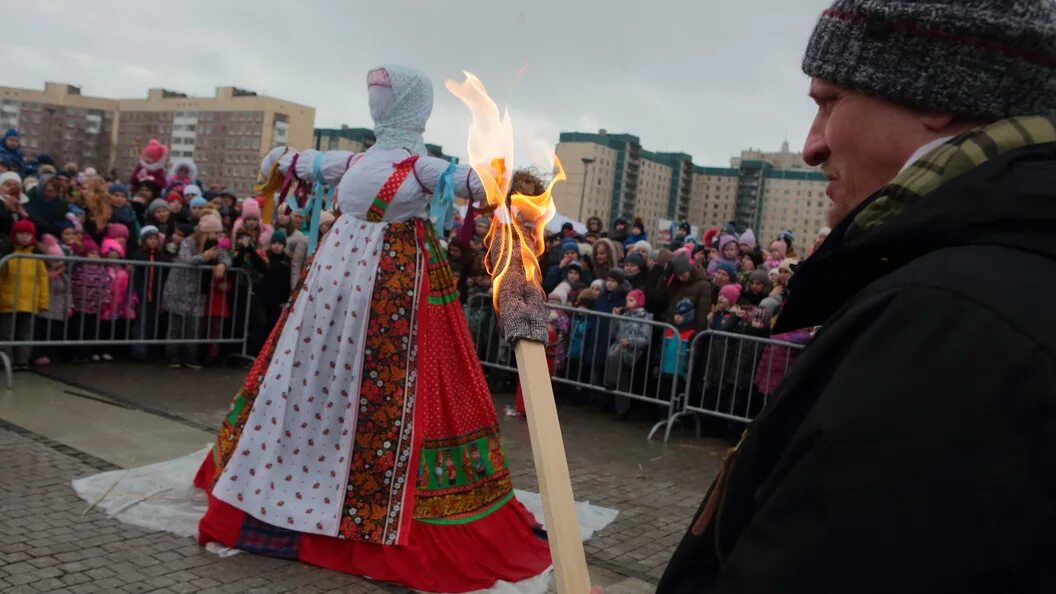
{"points": [[936, 121]]}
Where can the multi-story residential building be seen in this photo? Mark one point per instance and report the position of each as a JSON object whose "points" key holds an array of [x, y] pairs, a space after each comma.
{"points": [[611, 176], [226, 135], [62, 123]]}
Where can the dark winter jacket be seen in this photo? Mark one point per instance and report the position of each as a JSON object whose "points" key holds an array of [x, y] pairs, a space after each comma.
{"points": [[697, 289], [909, 449], [45, 214], [556, 275], [598, 335], [149, 281], [276, 286]]}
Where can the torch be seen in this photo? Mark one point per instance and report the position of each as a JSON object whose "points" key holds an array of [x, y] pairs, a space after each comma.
{"points": [[514, 241]]}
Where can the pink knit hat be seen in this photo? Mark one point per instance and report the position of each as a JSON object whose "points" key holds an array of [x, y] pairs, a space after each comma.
{"points": [[155, 152], [210, 223], [638, 296], [51, 245], [116, 231], [111, 245], [732, 292], [250, 208]]}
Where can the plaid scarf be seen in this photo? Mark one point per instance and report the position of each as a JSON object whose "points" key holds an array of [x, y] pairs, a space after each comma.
{"points": [[949, 160]]}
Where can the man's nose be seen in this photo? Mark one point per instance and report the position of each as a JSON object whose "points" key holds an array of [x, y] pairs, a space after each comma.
{"points": [[816, 149]]}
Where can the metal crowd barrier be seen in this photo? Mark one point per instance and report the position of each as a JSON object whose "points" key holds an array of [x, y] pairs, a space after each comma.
{"points": [[97, 316], [731, 376], [637, 376], [724, 375]]}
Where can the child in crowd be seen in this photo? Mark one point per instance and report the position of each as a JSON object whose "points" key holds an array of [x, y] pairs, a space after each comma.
{"points": [[219, 293], [90, 287], [159, 215], [147, 282], [611, 295], [24, 291], [119, 233], [276, 288], [182, 296], [725, 316], [758, 287], [151, 166], [778, 252], [173, 243], [557, 349], [729, 253], [68, 237], [578, 367], [630, 339], [251, 257], [51, 323], [122, 303], [675, 357]]}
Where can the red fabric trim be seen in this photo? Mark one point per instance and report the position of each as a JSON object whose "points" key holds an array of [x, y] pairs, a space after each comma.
{"points": [[914, 28]]}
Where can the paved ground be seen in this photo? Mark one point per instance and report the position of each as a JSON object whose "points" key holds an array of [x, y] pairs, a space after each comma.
{"points": [[49, 545]]}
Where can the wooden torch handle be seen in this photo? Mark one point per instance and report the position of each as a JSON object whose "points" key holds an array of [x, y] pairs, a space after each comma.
{"points": [[551, 467]]}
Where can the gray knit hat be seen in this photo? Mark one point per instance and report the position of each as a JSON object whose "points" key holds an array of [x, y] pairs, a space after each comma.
{"points": [[986, 59]]}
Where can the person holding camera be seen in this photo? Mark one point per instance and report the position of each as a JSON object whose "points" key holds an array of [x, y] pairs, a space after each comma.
{"points": [[248, 255], [183, 297]]}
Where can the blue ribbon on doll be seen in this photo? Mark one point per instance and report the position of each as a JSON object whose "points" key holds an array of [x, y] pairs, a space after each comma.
{"points": [[320, 196], [441, 211]]}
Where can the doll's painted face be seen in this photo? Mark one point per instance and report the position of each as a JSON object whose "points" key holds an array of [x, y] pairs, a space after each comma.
{"points": [[379, 93]]}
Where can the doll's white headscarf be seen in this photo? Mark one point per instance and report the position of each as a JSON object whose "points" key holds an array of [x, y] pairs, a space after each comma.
{"points": [[401, 125]]}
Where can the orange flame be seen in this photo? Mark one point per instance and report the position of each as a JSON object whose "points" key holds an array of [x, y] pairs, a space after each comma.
{"points": [[520, 221]]}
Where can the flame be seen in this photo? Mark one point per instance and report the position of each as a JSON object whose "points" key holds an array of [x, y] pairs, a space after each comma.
{"points": [[520, 221]]}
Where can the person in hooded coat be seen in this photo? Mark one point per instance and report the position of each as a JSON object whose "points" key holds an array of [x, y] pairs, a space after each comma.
{"points": [[183, 172], [365, 439]]}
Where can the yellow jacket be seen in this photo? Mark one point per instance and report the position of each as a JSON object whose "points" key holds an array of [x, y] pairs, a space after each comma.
{"points": [[27, 276]]}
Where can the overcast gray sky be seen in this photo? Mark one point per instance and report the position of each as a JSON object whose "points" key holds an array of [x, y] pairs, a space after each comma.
{"points": [[702, 77]]}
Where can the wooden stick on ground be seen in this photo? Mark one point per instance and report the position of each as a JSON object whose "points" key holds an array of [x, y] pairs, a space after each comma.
{"points": [[523, 320]]}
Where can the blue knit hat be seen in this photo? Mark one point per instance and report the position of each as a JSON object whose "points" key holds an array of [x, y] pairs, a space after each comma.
{"points": [[279, 236], [569, 245], [729, 268], [11, 133], [118, 188], [198, 201], [687, 310]]}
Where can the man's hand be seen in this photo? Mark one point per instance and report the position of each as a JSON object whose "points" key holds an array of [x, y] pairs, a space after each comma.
{"points": [[625, 343]]}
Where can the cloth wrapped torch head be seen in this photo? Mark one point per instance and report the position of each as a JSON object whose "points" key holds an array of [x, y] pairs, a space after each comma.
{"points": [[522, 304]]}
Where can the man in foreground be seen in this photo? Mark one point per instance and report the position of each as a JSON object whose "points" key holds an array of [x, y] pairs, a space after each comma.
{"points": [[910, 447]]}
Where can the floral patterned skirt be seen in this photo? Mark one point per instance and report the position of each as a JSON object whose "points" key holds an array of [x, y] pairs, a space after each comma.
{"points": [[425, 496]]}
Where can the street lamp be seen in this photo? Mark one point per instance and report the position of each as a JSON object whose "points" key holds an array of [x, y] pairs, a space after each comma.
{"points": [[583, 193]]}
